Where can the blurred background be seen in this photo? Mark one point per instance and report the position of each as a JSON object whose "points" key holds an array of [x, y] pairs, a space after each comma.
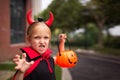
{"points": [[89, 24]]}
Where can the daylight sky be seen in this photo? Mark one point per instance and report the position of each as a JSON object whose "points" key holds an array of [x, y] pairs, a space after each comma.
{"points": [[45, 3]]}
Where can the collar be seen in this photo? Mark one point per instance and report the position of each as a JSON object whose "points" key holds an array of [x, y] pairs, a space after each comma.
{"points": [[33, 54]]}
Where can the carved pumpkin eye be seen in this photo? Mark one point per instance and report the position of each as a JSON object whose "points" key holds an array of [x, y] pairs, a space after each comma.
{"points": [[66, 59], [71, 55]]}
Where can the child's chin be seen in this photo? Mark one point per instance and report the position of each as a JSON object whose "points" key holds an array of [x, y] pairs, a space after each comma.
{"points": [[41, 52]]}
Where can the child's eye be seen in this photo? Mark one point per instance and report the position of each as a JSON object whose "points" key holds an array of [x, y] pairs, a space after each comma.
{"points": [[36, 37], [46, 37]]}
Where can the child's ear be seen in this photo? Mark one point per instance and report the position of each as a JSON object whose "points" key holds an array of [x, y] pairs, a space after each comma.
{"points": [[28, 38]]}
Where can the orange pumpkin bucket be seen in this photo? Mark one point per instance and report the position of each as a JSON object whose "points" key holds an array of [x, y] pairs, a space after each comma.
{"points": [[67, 58]]}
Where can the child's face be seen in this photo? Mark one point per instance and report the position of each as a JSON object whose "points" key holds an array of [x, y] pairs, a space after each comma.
{"points": [[40, 38]]}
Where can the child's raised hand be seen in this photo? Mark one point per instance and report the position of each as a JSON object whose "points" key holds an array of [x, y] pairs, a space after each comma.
{"points": [[62, 38], [21, 64]]}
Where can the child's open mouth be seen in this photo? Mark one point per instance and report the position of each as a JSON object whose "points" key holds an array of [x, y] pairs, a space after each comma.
{"points": [[41, 47]]}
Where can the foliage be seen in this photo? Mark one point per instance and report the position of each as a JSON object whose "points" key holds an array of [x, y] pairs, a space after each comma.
{"points": [[111, 11], [108, 51], [113, 42], [71, 15], [102, 12], [88, 38], [91, 34], [67, 14]]}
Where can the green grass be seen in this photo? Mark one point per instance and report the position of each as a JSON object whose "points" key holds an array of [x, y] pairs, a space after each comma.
{"points": [[108, 51], [10, 67], [7, 67], [104, 50], [58, 72]]}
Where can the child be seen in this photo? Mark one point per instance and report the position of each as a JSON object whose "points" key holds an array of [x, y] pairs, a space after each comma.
{"points": [[36, 62]]}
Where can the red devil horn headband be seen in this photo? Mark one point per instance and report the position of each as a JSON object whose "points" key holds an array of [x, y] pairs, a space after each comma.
{"points": [[48, 22]]}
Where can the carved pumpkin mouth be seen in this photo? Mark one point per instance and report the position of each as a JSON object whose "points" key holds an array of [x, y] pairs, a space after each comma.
{"points": [[71, 61], [73, 58]]}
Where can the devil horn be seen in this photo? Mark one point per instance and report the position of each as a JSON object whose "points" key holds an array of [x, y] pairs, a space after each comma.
{"points": [[50, 20], [29, 19]]}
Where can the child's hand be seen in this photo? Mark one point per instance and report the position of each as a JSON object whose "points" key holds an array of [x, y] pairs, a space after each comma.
{"points": [[62, 38], [21, 64]]}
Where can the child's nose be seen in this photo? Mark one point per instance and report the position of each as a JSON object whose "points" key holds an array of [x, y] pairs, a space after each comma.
{"points": [[41, 41]]}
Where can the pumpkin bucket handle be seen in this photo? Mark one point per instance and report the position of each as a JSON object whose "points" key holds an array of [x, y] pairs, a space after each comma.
{"points": [[59, 48]]}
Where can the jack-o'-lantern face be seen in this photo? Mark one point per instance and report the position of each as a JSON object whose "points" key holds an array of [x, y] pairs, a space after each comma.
{"points": [[66, 59], [72, 58]]}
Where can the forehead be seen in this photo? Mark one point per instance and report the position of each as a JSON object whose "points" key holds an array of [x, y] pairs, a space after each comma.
{"points": [[41, 28]]}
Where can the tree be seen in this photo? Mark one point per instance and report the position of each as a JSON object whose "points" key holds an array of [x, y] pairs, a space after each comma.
{"points": [[105, 13], [71, 14], [67, 14]]}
